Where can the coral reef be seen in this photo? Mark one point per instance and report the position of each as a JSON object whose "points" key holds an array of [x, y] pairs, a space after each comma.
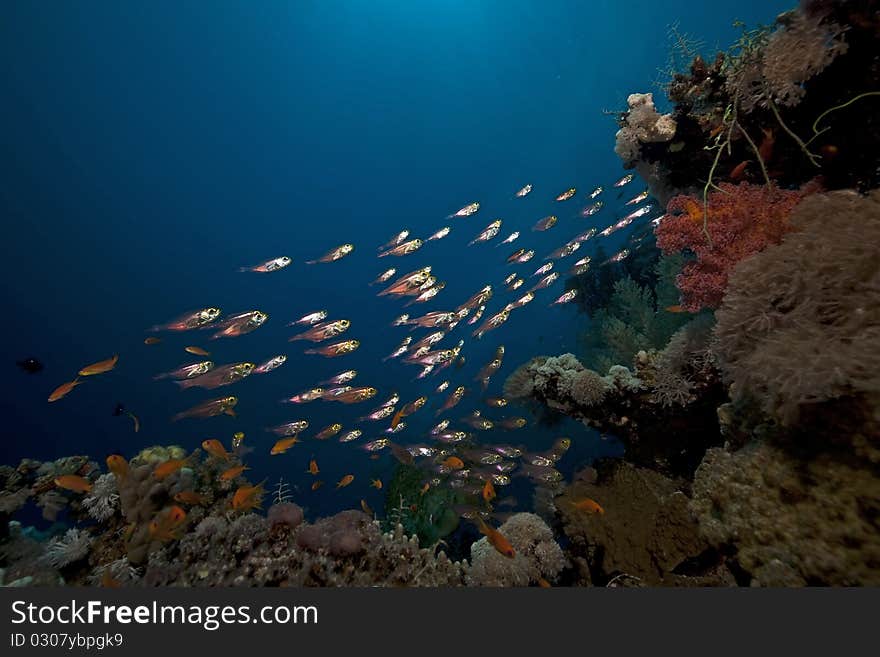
{"points": [[800, 324], [641, 124], [70, 548], [646, 532], [741, 220], [787, 522], [538, 556]]}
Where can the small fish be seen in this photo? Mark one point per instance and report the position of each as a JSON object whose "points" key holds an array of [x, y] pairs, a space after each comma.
{"points": [[323, 331], [401, 454], [628, 178], [496, 402], [635, 200], [453, 463], [596, 192], [588, 505], [509, 239], [403, 249], [488, 491], [307, 396], [376, 483], [384, 276], [117, 464], [528, 297], [526, 256], [345, 481], [492, 323], [168, 468], [190, 498], [332, 256], [566, 297], [317, 484], [270, 265], [311, 319], [513, 423], [73, 483], [100, 367], [197, 351], [350, 436], [273, 363], [496, 538], [366, 508], [221, 376], [565, 250], [452, 400], [440, 427], [488, 233], [590, 210], [546, 223], [237, 439], [210, 408], [290, 428], [248, 497], [313, 467], [543, 269], [478, 314], [617, 257], [567, 194], [336, 349], [407, 410], [64, 389], [398, 239], [442, 387], [167, 524], [215, 448], [407, 282], [152, 340], [675, 309], [240, 324], [518, 283], [524, 191], [580, 267], [376, 445], [401, 320], [187, 371], [379, 414], [191, 320], [233, 472], [283, 445], [341, 378], [440, 234], [328, 431], [466, 211]]}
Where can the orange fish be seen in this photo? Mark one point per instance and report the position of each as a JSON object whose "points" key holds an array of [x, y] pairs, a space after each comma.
{"points": [[167, 468], [425, 488], [283, 445], [73, 482], [248, 497], [215, 448], [544, 584], [63, 389], [189, 497], [233, 472], [313, 467], [496, 538], [100, 367], [739, 170], [108, 581], [152, 340], [198, 351], [366, 508], [167, 523], [489, 491], [675, 309], [118, 466], [317, 485], [454, 463], [376, 483], [345, 481], [588, 505]]}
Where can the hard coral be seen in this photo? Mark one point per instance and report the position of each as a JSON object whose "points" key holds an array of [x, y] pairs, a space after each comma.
{"points": [[642, 124], [800, 323], [742, 220]]}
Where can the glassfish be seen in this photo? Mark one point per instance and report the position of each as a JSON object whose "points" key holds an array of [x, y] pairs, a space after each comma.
{"points": [[567, 194], [191, 320], [336, 349], [240, 324], [332, 256], [220, 376], [488, 233], [187, 371], [273, 363], [466, 211], [210, 408], [403, 249], [269, 265], [524, 191], [546, 223], [323, 331]]}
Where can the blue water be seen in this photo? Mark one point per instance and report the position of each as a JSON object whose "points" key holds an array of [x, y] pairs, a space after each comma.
{"points": [[150, 149]]}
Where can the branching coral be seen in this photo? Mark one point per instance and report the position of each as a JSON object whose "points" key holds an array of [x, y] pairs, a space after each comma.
{"points": [[800, 323], [743, 220]]}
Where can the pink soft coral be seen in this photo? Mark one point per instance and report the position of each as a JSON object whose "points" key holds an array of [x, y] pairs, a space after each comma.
{"points": [[743, 220]]}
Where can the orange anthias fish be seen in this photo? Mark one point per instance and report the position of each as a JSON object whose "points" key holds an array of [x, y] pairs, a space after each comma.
{"points": [[248, 497], [152, 340], [376, 483], [167, 524], [345, 481], [496, 538], [118, 466], [198, 351], [215, 448], [454, 463], [233, 472], [73, 483], [189, 497], [488, 491], [64, 389], [283, 445], [675, 309], [168, 468], [313, 467], [589, 505], [100, 367], [317, 485]]}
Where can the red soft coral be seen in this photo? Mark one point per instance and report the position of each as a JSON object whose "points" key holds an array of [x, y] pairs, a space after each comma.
{"points": [[743, 220]]}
